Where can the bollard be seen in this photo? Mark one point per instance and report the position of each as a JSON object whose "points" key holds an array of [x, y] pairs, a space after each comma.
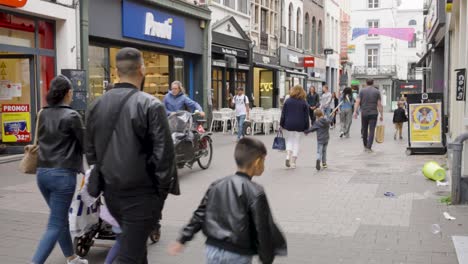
{"points": [[458, 187]]}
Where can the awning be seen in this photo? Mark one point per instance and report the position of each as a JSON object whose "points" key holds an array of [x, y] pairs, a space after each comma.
{"points": [[268, 66]]}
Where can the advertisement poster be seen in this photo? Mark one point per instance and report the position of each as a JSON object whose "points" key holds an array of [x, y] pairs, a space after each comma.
{"points": [[16, 123], [425, 122]]}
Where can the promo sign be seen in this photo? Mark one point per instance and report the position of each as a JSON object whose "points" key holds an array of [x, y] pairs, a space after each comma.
{"points": [[16, 123], [461, 85], [141, 22], [425, 123], [309, 62], [13, 3]]}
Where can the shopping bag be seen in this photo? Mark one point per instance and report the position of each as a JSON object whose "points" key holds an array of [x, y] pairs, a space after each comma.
{"points": [[380, 132], [80, 216], [279, 143]]}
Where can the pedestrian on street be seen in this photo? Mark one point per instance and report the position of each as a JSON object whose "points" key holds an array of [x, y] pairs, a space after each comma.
{"points": [[326, 101], [399, 117], [294, 120], [336, 102], [60, 140], [130, 144], [346, 111], [322, 126], [370, 104], [313, 100], [176, 100], [241, 104], [235, 216]]}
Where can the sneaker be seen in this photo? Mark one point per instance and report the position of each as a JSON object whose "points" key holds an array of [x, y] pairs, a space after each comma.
{"points": [[293, 162], [341, 134], [77, 260], [368, 150], [288, 163], [317, 165], [401, 138], [324, 165]]}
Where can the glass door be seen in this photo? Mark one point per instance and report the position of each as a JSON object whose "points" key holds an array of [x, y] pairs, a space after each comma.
{"points": [[17, 99]]}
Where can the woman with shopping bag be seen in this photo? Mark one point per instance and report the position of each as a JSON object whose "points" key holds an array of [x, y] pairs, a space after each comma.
{"points": [[60, 141], [294, 121]]}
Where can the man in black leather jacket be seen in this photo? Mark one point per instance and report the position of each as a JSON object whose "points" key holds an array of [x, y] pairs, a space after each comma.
{"points": [[235, 216], [137, 164]]}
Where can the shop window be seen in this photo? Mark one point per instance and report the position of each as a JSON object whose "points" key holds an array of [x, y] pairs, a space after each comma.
{"points": [[47, 74], [16, 30], [46, 35], [242, 6], [241, 80], [217, 88], [98, 70], [179, 70]]}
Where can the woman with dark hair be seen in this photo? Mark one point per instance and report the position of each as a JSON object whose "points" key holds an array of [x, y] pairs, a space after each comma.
{"points": [[60, 140], [346, 111], [335, 101]]}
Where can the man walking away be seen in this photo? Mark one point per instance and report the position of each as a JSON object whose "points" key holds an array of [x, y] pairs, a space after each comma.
{"points": [[370, 103], [313, 100], [129, 141], [326, 101], [241, 104]]}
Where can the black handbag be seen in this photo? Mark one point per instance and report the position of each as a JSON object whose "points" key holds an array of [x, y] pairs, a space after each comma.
{"points": [[96, 180], [279, 143]]}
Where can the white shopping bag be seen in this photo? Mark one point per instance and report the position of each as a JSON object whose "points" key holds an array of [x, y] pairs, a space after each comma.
{"points": [[80, 216]]}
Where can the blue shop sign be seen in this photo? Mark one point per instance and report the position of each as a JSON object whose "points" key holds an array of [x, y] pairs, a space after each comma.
{"points": [[141, 22]]}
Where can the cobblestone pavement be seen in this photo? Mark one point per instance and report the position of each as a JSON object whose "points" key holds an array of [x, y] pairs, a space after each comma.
{"points": [[338, 215]]}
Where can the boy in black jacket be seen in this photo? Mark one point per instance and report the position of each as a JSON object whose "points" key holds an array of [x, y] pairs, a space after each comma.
{"points": [[235, 216], [322, 126], [399, 117]]}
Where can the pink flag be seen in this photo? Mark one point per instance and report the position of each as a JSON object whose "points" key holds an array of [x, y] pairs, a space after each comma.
{"points": [[398, 33]]}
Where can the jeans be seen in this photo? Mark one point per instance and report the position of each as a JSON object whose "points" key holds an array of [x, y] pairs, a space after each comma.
{"points": [[137, 217], [292, 142], [240, 126], [346, 118], [215, 255], [57, 187], [327, 112], [322, 152], [114, 251], [368, 129]]}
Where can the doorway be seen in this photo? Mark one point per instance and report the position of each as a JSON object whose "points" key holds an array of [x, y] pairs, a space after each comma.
{"points": [[17, 98]]}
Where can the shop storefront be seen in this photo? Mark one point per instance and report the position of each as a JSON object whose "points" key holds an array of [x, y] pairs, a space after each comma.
{"points": [[293, 63], [160, 33], [28, 62], [230, 66], [316, 72], [265, 81]]}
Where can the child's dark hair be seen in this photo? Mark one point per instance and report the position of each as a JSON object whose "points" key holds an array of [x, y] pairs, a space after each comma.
{"points": [[247, 151], [59, 87]]}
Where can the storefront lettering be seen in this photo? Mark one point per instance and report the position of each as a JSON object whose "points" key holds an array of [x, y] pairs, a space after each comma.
{"points": [[266, 87], [158, 29], [8, 108], [266, 60], [293, 58], [229, 51]]}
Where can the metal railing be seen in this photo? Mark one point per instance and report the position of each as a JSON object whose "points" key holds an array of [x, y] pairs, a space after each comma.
{"points": [[264, 41], [299, 41], [283, 35], [292, 38], [375, 71]]}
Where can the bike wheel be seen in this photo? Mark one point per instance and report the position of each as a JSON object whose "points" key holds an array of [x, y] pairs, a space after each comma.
{"points": [[205, 160]]}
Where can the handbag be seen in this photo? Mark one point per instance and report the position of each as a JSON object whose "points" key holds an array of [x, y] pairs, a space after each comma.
{"points": [[380, 132], [31, 153], [96, 180], [279, 143]]}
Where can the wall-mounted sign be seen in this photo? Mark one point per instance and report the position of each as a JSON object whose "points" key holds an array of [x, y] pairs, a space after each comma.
{"points": [[293, 58], [141, 22], [431, 17], [243, 67], [309, 62], [218, 63], [328, 51], [229, 51], [16, 123], [266, 59], [13, 3], [408, 86], [461, 85]]}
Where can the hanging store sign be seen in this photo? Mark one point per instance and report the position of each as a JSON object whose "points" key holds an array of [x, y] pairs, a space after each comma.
{"points": [[309, 62], [16, 123], [13, 3], [328, 51], [141, 22], [460, 85]]}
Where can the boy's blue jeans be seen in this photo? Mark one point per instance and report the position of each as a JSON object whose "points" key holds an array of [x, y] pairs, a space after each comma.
{"points": [[215, 255], [57, 187], [322, 152], [240, 126]]}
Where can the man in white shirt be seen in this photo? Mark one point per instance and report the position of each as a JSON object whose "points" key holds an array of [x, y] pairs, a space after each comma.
{"points": [[241, 104]]}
